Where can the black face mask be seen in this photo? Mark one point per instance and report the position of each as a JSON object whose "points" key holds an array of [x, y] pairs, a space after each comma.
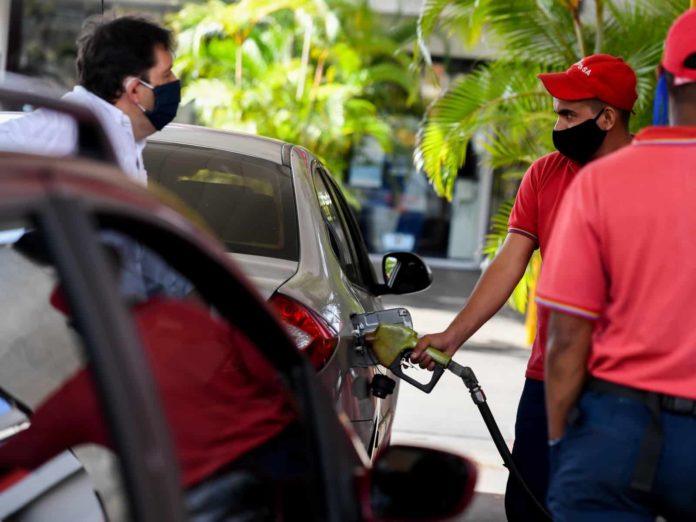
{"points": [[579, 143]]}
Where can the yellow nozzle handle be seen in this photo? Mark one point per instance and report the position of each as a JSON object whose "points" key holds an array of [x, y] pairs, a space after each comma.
{"points": [[439, 357]]}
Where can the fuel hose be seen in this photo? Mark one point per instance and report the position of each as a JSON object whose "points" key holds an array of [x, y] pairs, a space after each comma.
{"points": [[467, 375]]}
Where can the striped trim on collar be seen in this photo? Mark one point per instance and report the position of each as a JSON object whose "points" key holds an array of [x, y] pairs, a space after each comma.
{"points": [[666, 141], [666, 136]]}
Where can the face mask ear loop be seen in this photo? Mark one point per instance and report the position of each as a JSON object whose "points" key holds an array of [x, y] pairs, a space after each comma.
{"points": [[149, 86], [134, 79], [599, 114], [661, 104]]}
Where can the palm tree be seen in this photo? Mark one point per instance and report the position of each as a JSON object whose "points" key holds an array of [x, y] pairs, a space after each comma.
{"points": [[305, 71], [503, 106]]}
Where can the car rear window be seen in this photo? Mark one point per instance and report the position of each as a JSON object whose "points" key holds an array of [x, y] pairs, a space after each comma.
{"points": [[248, 202]]}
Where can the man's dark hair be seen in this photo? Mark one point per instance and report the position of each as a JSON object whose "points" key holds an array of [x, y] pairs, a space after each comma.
{"points": [[108, 51]]}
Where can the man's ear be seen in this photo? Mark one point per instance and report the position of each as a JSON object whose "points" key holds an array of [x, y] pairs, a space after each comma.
{"points": [[130, 89], [608, 119]]}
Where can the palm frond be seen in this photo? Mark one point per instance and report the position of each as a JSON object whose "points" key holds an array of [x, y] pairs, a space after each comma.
{"points": [[428, 19], [492, 97], [494, 241], [384, 72], [535, 31], [461, 19], [510, 148], [628, 35], [668, 8], [499, 228]]}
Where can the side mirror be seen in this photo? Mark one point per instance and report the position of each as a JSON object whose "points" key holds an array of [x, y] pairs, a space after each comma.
{"points": [[404, 273], [412, 483], [13, 418]]}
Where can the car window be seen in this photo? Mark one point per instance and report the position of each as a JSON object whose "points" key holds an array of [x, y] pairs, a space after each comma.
{"points": [[353, 231], [232, 419], [338, 235], [248, 202]]}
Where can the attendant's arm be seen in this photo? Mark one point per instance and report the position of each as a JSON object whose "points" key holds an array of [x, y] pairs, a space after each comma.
{"points": [[567, 351], [492, 290]]}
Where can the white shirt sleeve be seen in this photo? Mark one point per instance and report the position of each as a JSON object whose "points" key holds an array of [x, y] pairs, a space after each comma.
{"points": [[40, 132]]}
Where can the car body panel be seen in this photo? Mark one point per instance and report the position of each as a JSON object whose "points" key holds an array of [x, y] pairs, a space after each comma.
{"points": [[239, 143], [267, 273], [59, 490], [316, 280], [95, 188]]}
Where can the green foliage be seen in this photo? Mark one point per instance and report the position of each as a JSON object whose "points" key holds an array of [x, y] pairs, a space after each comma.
{"points": [[513, 116], [502, 105], [312, 72], [503, 100]]}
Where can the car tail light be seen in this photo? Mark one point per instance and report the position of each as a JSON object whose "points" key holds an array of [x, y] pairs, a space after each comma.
{"points": [[309, 331]]}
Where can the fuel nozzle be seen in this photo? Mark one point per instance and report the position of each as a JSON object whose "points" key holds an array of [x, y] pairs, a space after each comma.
{"points": [[392, 344]]}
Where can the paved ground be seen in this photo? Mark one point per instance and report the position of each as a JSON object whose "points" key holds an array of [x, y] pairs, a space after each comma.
{"points": [[447, 417]]}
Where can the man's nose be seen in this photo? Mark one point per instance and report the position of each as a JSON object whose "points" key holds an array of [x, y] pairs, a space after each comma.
{"points": [[560, 125]]}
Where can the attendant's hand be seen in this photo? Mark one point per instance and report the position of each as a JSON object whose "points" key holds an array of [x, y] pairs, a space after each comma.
{"points": [[445, 341]]}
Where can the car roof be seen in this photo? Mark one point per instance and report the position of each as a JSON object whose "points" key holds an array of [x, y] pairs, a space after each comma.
{"points": [[27, 180], [237, 142], [269, 149], [67, 176]]}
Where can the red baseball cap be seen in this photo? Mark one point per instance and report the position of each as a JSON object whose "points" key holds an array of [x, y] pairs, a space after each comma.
{"points": [[600, 76], [680, 45]]}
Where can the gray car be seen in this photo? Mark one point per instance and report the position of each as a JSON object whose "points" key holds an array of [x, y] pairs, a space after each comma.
{"points": [[285, 220]]}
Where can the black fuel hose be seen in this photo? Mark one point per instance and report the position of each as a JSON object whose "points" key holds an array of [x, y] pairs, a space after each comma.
{"points": [[479, 398]]}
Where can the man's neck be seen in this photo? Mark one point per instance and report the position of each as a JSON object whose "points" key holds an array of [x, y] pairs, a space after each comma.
{"points": [[142, 128], [683, 115], [613, 142]]}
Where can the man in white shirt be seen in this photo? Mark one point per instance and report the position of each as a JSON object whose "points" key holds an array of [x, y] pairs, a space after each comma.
{"points": [[125, 78]]}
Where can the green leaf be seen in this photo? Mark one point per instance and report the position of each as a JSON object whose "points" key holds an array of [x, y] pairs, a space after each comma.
{"points": [[354, 66]]}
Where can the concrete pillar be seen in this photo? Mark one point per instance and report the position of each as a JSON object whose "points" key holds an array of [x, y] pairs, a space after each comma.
{"points": [[485, 194], [4, 33]]}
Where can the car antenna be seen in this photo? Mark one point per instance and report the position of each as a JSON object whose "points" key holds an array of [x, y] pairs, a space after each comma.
{"points": [[102, 2]]}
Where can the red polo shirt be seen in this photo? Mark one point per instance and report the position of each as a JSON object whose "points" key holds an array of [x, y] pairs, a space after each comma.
{"points": [[533, 216], [622, 254]]}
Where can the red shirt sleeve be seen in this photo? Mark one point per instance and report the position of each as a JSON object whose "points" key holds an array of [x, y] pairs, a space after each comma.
{"points": [[71, 416], [524, 217], [573, 279]]}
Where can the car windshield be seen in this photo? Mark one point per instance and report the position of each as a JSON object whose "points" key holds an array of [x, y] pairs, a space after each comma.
{"points": [[248, 202]]}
